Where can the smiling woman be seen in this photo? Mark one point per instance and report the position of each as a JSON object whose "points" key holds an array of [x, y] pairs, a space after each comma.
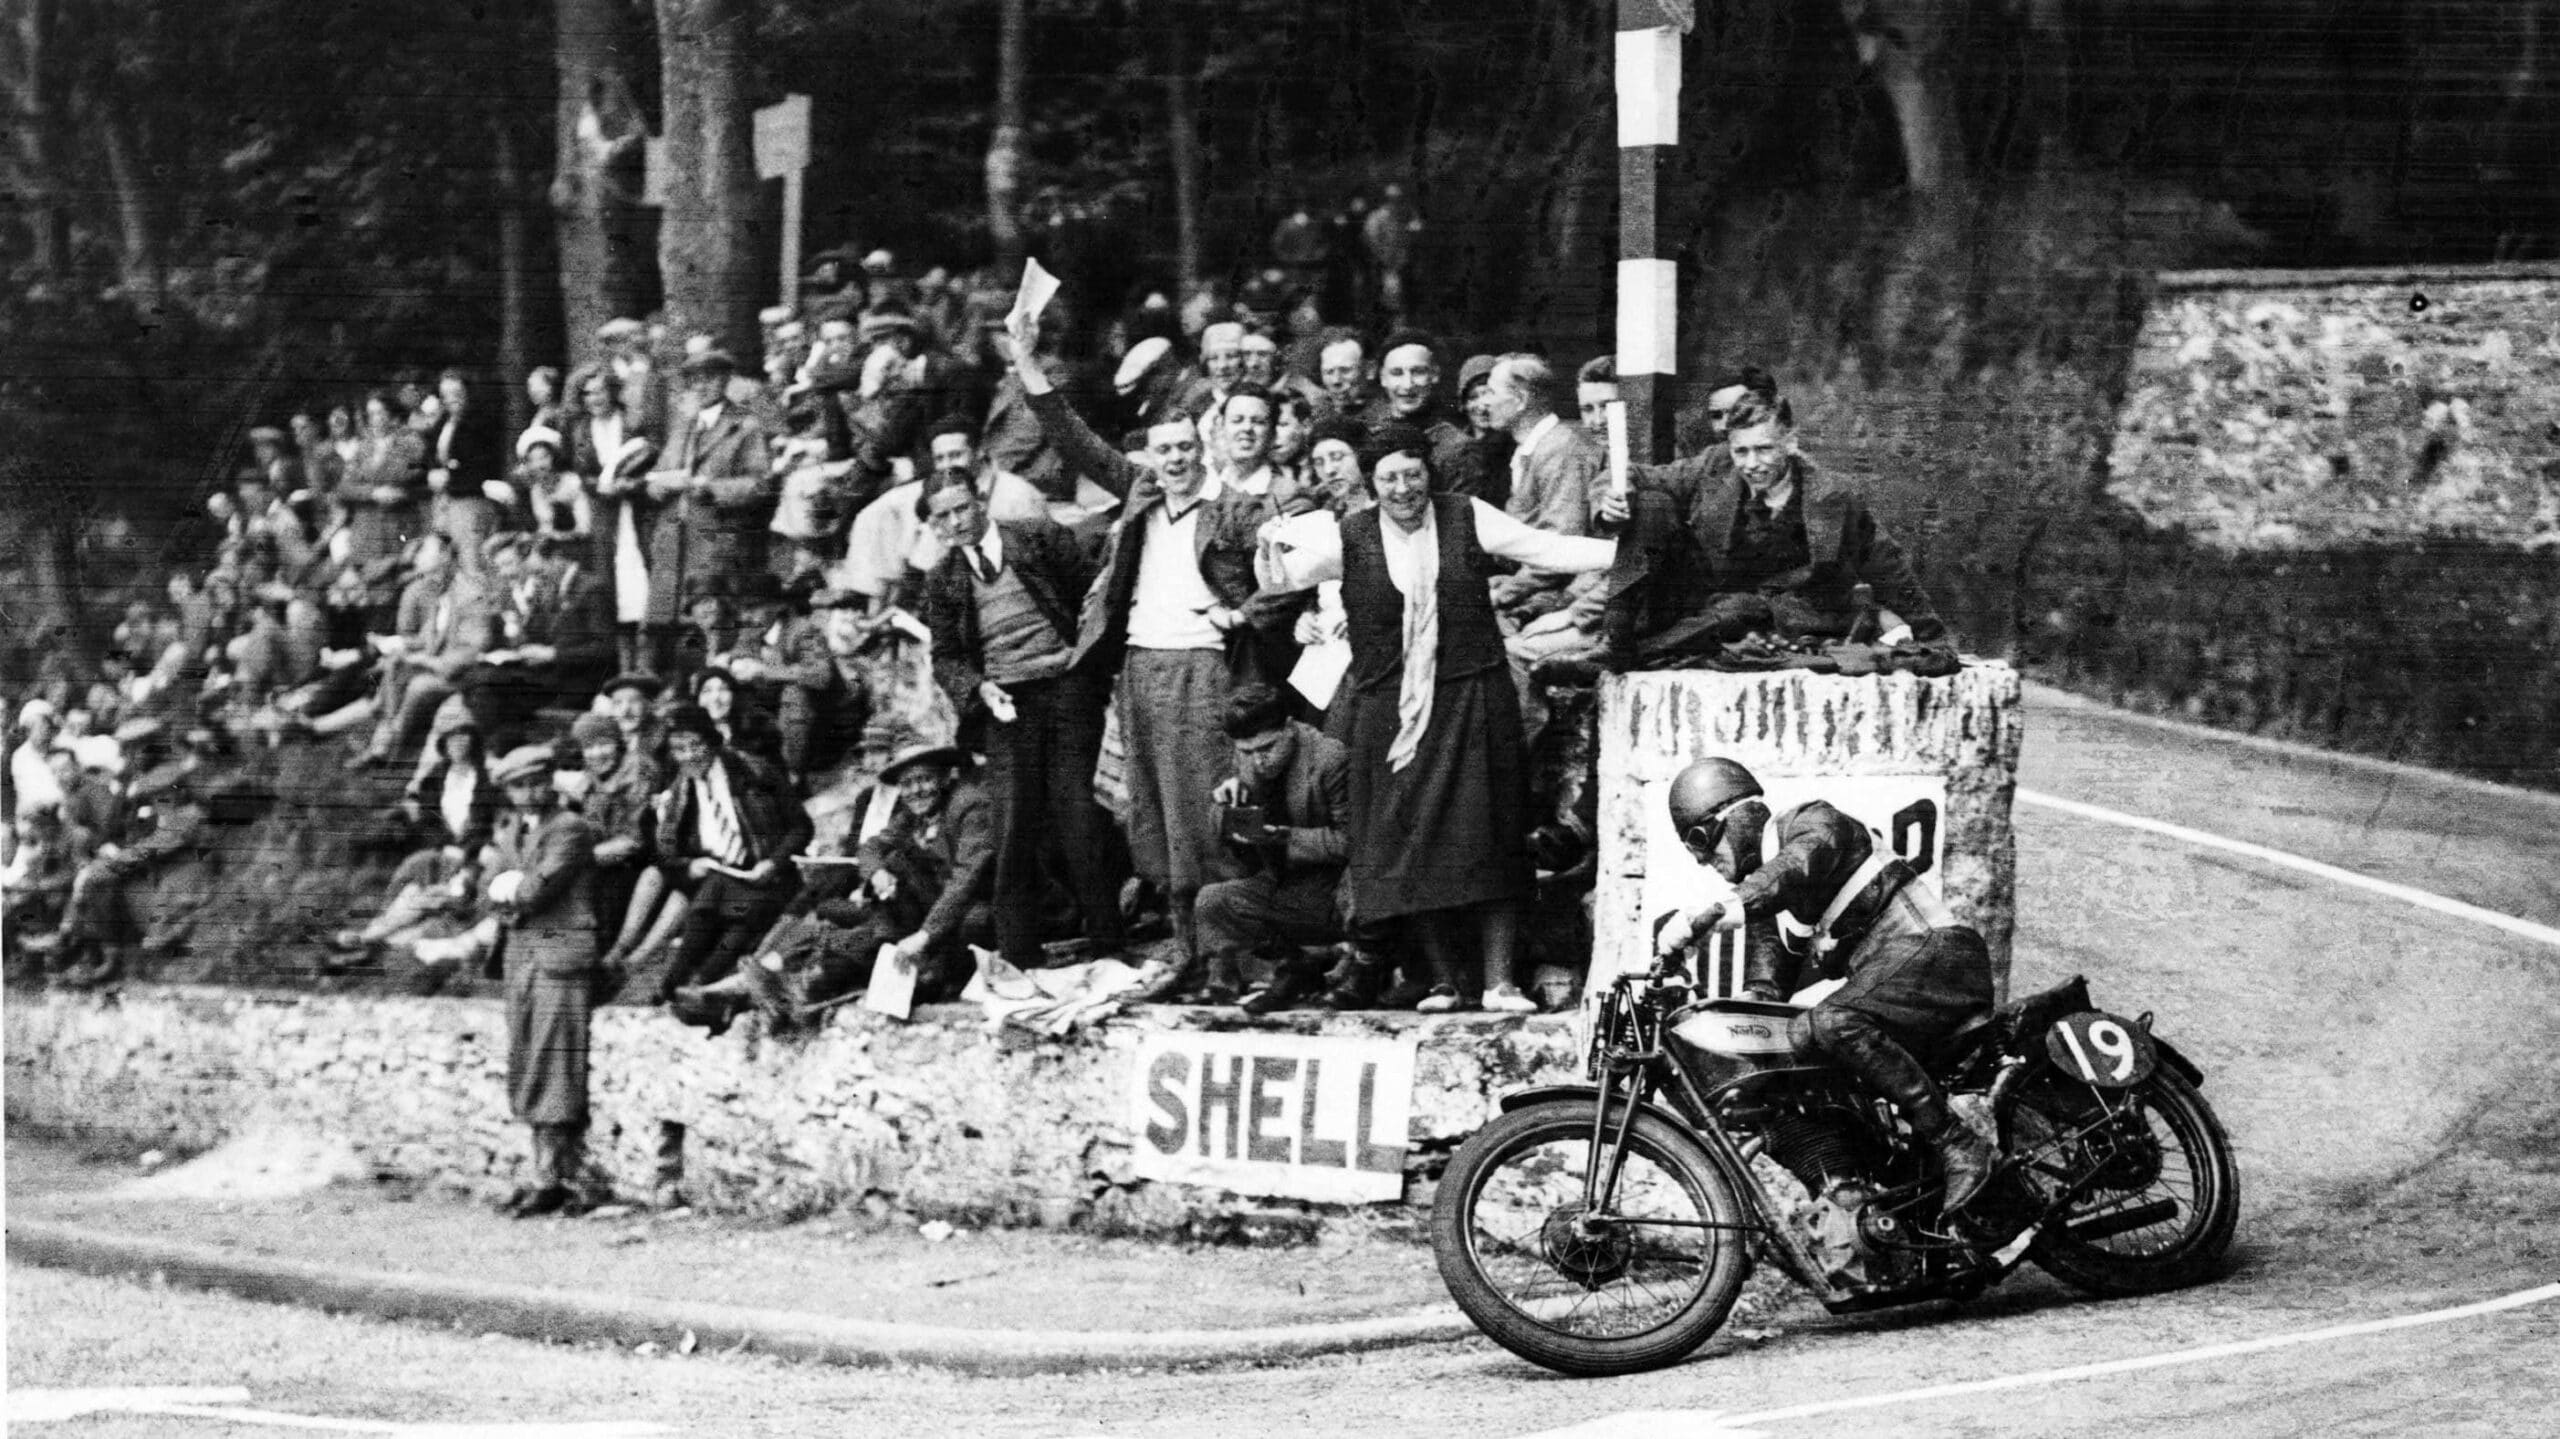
{"points": [[1439, 789]]}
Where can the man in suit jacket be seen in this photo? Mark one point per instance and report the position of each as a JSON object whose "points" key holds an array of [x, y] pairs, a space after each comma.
{"points": [[1001, 607], [1168, 615], [1299, 779], [541, 865], [468, 447], [708, 504], [1557, 472], [1767, 542], [459, 625]]}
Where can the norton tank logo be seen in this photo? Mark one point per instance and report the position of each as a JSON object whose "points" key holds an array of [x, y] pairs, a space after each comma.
{"points": [[1756, 1031]]}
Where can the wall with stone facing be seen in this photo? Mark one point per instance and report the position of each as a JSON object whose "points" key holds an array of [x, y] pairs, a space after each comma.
{"points": [[937, 1117], [2309, 409], [1963, 728]]}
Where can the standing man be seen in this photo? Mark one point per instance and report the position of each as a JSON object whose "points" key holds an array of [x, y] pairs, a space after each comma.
{"points": [[1557, 471], [1002, 606], [1168, 613], [709, 504], [541, 871], [1409, 392], [1342, 367]]}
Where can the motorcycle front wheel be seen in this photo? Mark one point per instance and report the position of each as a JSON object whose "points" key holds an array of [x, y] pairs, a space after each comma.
{"points": [[2159, 1189], [1634, 1288]]}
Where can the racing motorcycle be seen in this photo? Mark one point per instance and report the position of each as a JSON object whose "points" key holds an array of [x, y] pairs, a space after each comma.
{"points": [[1607, 1228]]}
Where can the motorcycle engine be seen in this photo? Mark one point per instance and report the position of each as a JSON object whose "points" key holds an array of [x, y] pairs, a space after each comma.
{"points": [[1857, 1243]]}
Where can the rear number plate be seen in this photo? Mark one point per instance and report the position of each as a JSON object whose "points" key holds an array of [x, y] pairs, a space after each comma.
{"points": [[2102, 1049]]}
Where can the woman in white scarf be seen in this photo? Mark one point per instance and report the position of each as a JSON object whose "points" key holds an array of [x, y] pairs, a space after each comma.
{"points": [[1439, 787]]}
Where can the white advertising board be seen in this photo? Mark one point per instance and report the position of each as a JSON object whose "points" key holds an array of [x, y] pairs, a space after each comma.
{"points": [[1298, 1116]]}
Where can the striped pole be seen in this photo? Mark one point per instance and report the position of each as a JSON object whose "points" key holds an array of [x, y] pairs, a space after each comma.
{"points": [[1648, 72]]}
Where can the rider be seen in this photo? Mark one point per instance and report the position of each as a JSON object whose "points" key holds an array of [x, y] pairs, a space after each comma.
{"points": [[1814, 884]]}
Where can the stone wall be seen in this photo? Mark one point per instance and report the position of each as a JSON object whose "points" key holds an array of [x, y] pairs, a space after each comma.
{"points": [[1870, 743], [2309, 409], [937, 1117]]}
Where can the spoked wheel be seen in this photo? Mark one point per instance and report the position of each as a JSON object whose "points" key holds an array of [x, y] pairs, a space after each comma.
{"points": [[2161, 1196], [1632, 1288]]}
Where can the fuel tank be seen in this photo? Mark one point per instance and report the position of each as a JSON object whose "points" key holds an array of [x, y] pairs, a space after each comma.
{"points": [[1749, 1031]]}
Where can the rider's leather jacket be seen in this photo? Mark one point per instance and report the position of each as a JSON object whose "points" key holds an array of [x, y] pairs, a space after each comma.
{"points": [[1816, 892]]}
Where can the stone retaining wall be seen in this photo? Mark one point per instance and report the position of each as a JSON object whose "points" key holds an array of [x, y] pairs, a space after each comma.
{"points": [[937, 1117]]}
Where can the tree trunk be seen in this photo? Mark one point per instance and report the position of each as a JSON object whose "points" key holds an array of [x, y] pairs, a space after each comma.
{"points": [[45, 503], [515, 280], [39, 122], [1182, 136], [137, 227], [596, 175], [1005, 158], [1906, 43], [707, 230]]}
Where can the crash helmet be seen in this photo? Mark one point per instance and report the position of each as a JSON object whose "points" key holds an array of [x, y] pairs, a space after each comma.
{"points": [[1704, 794]]}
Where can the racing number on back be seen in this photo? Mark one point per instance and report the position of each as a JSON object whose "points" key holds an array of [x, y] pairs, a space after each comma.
{"points": [[2102, 1050], [1915, 834]]}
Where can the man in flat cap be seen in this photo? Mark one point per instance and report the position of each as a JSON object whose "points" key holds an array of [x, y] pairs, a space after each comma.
{"points": [[708, 503], [541, 869]]}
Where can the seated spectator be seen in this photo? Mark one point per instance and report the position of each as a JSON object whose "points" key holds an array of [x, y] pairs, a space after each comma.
{"points": [[783, 660], [91, 806], [1765, 544], [726, 828], [919, 883], [545, 491], [555, 643], [459, 625], [449, 814], [30, 770], [180, 800], [743, 727], [35, 885], [617, 782], [1283, 814]]}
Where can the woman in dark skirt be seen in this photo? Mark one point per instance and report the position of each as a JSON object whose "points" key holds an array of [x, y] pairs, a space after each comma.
{"points": [[1439, 773]]}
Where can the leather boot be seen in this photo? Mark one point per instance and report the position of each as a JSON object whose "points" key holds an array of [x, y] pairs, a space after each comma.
{"points": [[1293, 982], [1357, 986], [1863, 1047]]}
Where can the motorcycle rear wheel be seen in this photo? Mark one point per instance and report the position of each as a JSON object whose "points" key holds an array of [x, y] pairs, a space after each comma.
{"points": [[1618, 1297], [2167, 1200]]}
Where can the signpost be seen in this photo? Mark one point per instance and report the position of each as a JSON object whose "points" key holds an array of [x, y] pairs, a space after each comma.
{"points": [[1648, 74], [782, 151]]}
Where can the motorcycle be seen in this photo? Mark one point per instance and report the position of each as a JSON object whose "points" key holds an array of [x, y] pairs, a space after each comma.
{"points": [[1608, 1227]]}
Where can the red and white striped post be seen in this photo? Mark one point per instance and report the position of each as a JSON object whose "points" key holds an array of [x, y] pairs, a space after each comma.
{"points": [[1648, 74]]}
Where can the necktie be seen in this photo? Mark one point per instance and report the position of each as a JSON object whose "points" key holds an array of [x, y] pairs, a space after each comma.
{"points": [[985, 567], [721, 837]]}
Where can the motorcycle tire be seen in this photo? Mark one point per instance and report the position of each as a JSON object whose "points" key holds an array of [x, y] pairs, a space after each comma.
{"points": [[2177, 1168], [1521, 1288]]}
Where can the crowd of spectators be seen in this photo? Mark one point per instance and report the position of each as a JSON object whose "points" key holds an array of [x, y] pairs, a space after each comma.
{"points": [[1239, 637]]}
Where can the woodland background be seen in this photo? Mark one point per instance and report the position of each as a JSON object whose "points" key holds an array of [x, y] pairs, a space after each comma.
{"points": [[1938, 219]]}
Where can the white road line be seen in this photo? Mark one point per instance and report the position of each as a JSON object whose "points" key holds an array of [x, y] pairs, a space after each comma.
{"points": [[2406, 894], [2518, 1300], [231, 1406]]}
